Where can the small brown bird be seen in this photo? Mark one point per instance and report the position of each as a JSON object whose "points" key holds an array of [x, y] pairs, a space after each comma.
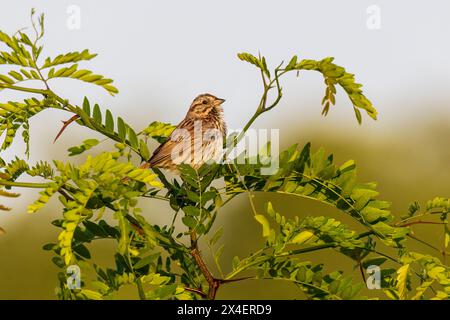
{"points": [[197, 139]]}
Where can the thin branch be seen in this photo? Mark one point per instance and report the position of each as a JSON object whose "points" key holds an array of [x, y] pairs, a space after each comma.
{"points": [[283, 254], [234, 280], [423, 242], [44, 92], [361, 270], [197, 291], [418, 222], [141, 291], [24, 184], [65, 125], [65, 194], [212, 282]]}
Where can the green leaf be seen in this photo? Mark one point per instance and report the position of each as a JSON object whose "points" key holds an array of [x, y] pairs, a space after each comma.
{"points": [[86, 107], [121, 128], [6, 79], [82, 251], [347, 166], [265, 224], [260, 63], [95, 229], [91, 295], [133, 138], [143, 149], [83, 75], [188, 172], [124, 227], [159, 131], [189, 222], [292, 63], [146, 261], [315, 176], [402, 276], [302, 237], [162, 292], [358, 115], [86, 145], [192, 195], [191, 211], [378, 261], [69, 57], [244, 56], [16, 75], [49, 246], [58, 261], [97, 114], [413, 208], [333, 75], [109, 122]]}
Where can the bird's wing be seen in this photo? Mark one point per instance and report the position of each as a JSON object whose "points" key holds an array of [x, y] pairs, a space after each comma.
{"points": [[163, 154]]}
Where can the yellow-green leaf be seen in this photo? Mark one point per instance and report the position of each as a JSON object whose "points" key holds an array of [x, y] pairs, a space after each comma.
{"points": [[302, 237], [265, 224], [402, 276]]}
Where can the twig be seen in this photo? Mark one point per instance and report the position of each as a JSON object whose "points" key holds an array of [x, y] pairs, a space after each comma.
{"points": [[419, 222], [361, 269], [234, 280], [213, 283], [197, 291], [64, 194], [65, 125], [24, 184]]}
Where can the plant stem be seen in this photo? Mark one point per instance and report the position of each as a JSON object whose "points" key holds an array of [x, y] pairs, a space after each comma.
{"points": [[24, 89], [212, 282], [419, 222], [197, 291], [24, 184], [365, 234], [261, 107], [423, 242], [283, 254], [361, 270], [308, 249], [140, 289]]}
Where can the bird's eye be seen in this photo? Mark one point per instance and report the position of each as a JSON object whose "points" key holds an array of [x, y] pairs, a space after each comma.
{"points": [[205, 102]]}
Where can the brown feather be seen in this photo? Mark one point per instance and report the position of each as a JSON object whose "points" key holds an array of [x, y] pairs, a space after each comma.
{"points": [[205, 108]]}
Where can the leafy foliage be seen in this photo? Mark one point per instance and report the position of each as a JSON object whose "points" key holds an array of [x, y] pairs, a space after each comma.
{"points": [[70, 57], [333, 75], [159, 131], [336, 75], [165, 262], [83, 75], [314, 176], [15, 115]]}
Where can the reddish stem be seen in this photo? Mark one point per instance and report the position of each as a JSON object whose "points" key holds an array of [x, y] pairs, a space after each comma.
{"points": [[65, 125], [418, 222]]}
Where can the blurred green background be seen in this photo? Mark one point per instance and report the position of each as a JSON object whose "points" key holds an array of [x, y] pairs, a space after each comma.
{"points": [[161, 58]]}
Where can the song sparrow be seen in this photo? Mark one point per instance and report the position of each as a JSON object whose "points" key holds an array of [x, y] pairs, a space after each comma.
{"points": [[197, 139]]}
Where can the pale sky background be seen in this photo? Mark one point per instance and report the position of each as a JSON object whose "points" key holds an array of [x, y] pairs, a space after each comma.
{"points": [[162, 54]]}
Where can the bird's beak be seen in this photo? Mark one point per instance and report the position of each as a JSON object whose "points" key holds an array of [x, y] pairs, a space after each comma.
{"points": [[219, 101]]}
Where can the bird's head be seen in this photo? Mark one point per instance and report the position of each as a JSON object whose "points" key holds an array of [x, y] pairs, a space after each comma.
{"points": [[204, 105]]}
